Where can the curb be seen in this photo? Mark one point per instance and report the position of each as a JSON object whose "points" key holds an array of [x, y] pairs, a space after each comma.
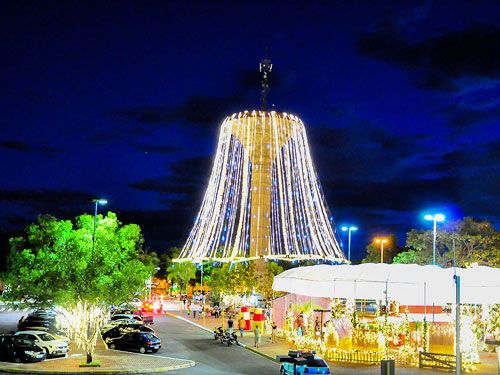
{"points": [[209, 330], [97, 371]]}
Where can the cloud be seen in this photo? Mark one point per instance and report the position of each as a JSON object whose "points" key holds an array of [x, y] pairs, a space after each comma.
{"points": [[43, 148], [158, 149], [46, 200], [185, 181], [15, 145], [440, 61]]}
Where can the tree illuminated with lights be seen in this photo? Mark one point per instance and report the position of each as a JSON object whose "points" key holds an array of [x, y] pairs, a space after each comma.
{"points": [[53, 264]]}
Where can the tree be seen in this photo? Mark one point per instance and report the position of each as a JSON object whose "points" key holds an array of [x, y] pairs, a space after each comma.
{"points": [[474, 242], [231, 278], [182, 273], [55, 263], [266, 283], [390, 250]]}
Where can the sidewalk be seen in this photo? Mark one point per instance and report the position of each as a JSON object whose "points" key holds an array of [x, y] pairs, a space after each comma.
{"points": [[271, 350]]}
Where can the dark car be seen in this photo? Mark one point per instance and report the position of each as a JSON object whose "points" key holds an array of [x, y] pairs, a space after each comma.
{"points": [[30, 322], [141, 341], [18, 349], [122, 329]]}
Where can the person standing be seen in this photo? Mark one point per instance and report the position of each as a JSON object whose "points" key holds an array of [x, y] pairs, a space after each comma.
{"points": [[195, 308], [257, 334], [230, 325], [241, 325], [317, 328], [273, 332]]}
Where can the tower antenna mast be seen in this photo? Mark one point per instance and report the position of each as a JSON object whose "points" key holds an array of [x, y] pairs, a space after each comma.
{"points": [[265, 68]]}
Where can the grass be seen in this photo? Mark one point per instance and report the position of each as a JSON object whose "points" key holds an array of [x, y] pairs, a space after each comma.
{"points": [[91, 364]]}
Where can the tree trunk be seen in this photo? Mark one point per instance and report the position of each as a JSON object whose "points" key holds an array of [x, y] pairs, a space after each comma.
{"points": [[89, 357]]}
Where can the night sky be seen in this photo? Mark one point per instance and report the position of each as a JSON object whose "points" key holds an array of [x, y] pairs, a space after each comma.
{"points": [[123, 100]]}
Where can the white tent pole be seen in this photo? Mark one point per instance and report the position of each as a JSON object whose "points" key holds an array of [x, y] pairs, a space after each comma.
{"points": [[458, 363], [425, 300]]}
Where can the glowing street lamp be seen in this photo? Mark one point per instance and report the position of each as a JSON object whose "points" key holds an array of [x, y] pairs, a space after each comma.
{"points": [[381, 241], [435, 218], [97, 202], [349, 230]]}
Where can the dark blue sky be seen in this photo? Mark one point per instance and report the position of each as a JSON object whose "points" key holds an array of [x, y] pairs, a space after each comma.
{"points": [[123, 100]]}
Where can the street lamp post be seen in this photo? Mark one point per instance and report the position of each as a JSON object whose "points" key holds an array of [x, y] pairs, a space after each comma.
{"points": [[151, 282], [97, 202], [349, 230], [435, 219], [381, 241]]}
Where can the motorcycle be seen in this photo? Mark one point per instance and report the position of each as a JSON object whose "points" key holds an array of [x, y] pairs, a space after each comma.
{"points": [[218, 333], [229, 338]]}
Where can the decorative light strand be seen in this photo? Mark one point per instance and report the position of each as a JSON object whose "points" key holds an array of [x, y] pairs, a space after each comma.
{"points": [[263, 198]]}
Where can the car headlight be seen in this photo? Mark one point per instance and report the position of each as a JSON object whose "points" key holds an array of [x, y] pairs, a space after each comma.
{"points": [[31, 353]]}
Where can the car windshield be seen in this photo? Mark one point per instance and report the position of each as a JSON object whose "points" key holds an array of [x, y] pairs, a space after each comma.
{"points": [[150, 336], [46, 337]]}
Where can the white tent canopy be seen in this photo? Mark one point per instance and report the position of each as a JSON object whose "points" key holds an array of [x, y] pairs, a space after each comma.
{"points": [[409, 284]]}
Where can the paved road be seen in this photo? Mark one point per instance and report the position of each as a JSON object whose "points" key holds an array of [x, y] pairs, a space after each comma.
{"points": [[182, 340]]}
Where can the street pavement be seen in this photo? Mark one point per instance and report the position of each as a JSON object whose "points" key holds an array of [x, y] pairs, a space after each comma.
{"points": [[180, 340]]}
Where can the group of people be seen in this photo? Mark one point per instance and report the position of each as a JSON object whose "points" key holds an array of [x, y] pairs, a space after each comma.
{"points": [[301, 329], [257, 330]]}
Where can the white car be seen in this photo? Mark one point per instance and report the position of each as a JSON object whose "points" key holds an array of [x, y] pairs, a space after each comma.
{"points": [[51, 345]]}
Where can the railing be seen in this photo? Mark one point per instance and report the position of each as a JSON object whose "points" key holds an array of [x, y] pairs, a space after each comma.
{"points": [[437, 361], [354, 356]]}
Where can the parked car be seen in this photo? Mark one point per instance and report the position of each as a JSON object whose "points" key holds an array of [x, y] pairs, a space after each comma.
{"points": [[35, 321], [18, 349], [52, 346], [127, 316], [122, 329], [114, 323], [141, 341], [54, 332]]}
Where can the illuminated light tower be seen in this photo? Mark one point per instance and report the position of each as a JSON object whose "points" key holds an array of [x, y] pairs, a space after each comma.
{"points": [[264, 199], [349, 230], [381, 241], [435, 218]]}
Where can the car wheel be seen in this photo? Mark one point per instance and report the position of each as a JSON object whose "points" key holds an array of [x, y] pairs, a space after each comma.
{"points": [[17, 360], [47, 354], [112, 346], [282, 370], [142, 350]]}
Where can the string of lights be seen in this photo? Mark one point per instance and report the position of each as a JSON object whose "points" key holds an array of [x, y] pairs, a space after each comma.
{"points": [[264, 199]]}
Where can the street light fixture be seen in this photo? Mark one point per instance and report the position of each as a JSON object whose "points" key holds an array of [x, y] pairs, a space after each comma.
{"points": [[434, 218], [381, 241], [97, 202], [349, 230]]}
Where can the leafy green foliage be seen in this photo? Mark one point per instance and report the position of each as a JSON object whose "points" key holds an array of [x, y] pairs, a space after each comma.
{"points": [[231, 278], [55, 262], [182, 273], [475, 242], [60, 262], [390, 251]]}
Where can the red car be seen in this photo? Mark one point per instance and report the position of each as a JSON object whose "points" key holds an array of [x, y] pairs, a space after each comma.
{"points": [[152, 306]]}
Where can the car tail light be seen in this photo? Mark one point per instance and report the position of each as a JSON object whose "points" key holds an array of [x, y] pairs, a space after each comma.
{"points": [[150, 343]]}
